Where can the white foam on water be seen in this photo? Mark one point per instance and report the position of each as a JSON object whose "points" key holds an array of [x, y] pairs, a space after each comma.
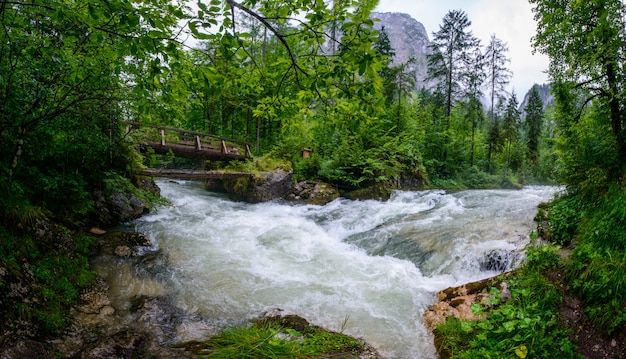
{"points": [[234, 261]]}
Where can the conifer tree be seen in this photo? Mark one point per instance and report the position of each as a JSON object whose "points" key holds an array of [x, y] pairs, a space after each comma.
{"points": [[498, 74], [510, 124], [534, 120], [450, 46]]}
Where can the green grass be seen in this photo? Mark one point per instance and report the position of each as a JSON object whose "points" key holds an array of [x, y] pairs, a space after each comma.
{"points": [[270, 339]]}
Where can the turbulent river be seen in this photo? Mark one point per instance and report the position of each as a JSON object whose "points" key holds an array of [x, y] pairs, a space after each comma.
{"points": [[369, 268]]}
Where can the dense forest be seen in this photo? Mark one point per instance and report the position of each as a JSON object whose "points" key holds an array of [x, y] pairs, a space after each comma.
{"points": [[314, 75]]}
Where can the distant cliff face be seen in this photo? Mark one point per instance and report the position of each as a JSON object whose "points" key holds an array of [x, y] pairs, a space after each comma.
{"points": [[409, 39], [545, 93]]}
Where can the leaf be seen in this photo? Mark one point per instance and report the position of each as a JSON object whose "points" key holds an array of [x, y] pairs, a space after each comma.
{"points": [[294, 332], [476, 308], [521, 352], [467, 327], [362, 67]]}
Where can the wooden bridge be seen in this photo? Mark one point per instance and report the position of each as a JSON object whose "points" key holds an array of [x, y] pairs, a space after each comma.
{"points": [[187, 144], [192, 174]]}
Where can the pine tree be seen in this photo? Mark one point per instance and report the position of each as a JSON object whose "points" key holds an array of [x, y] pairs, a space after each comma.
{"points": [[388, 73], [448, 59], [498, 74], [534, 120], [474, 79], [495, 138], [510, 124]]}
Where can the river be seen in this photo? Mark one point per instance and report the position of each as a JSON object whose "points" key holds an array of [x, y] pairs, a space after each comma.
{"points": [[369, 268]]}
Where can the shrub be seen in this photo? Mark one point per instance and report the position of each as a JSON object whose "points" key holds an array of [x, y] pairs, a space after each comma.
{"points": [[526, 326], [564, 215], [542, 257]]}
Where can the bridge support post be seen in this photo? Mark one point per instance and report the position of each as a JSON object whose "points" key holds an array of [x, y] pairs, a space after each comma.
{"points": [[224, 149]]}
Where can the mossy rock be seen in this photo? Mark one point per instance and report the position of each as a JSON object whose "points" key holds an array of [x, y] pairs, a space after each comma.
{"points": [[381, 192]]}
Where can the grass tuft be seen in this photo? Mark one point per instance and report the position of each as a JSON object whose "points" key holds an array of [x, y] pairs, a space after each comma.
{"points": [[270, 339]]}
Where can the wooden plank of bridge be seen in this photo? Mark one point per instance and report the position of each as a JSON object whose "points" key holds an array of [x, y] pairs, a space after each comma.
{"points": [[191, 144], [192, 174]]}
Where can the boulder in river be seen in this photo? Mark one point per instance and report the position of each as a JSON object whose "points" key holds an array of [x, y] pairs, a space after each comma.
{"points": [[313, 192], [263, 187]]}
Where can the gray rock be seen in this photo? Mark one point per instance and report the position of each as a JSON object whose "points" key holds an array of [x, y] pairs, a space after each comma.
{"points": [[265, 187], [117, 207], [313, 192], [409, 39], [15, 347], [123, 345]]}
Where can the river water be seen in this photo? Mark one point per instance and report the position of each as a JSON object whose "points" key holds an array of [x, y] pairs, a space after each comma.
{"points": [[369, 268]]}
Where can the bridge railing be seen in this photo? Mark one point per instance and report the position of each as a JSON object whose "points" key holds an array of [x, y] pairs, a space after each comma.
{"points": [[169, 136]]}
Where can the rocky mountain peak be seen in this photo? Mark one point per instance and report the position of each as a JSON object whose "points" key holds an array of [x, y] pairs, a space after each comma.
{"points": [[408, 38]]}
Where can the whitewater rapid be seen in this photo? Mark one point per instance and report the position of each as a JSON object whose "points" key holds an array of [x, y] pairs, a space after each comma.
{"points": [[367, 268]]}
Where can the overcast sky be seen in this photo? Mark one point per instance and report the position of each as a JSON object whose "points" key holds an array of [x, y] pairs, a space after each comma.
{"points": [[510, 20]]}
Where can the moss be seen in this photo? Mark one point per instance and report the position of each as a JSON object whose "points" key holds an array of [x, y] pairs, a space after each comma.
{"points": [[40, 278], [379, 192], [286, 337], [259, 165]]}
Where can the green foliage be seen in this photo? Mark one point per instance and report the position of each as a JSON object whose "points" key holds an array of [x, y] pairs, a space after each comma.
{"points": [[113, 181], [597, 271], [605, 226], [450, 46], [564, 215], [266, 163], [271, 340], [542, 257], [600, 281], [584, 41], [386, 159], [534, 119], [524, 326], [57, 277]]}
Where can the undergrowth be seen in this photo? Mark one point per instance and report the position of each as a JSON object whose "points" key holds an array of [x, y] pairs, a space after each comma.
{"points": [[597, 272], [525, 326], [39, 282]]}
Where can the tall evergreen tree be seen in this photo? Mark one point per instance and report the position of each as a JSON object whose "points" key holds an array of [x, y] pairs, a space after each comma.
{"points": [[534, 120], [387, 73], [494, 137], [450, 46], [498, 74], [510, 125], [474, 79]]}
